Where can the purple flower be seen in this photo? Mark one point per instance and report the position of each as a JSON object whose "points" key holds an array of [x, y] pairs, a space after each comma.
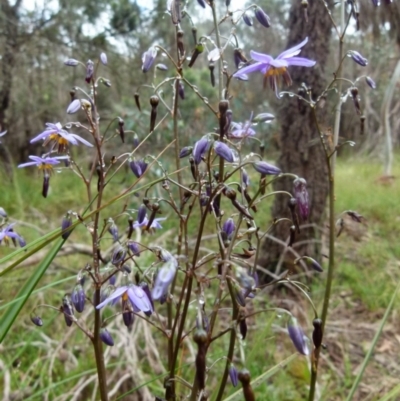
{"points": [[358, 58], [245, 178], [301, 195], [113, 230], [262, 17], [200, 148], [138, 167], [43, 163], [148, 59], [155, 224], [202, 3], [370, 82], [8, 233], [78, 298], [2, 134], [74, 106], [313, 264], [37, 320], [71, 62], [241, 130], [103, 58], [136, 296], [224, 151], [105, 336], [55, 134], [266, 168], [273, 68], [298, 338], [164, 278], [375, 3]]}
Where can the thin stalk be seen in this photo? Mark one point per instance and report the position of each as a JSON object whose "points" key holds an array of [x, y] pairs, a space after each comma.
{"points": [[331, 163], [218, 40]]}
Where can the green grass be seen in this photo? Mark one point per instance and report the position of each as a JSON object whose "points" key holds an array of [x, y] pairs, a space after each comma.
{"points": [[366, 275]]}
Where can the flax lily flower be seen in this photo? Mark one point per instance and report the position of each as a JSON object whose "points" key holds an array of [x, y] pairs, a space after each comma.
{"points": [[272, 68], [58, 137]]}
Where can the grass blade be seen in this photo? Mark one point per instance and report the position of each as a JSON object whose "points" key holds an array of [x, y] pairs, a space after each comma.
{"points": [[12, 312]]}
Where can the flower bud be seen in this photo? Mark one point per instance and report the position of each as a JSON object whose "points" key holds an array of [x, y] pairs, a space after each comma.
{"points": [[67, 310], [370, 82], [113, 230], [186, 151], [164, 278], [262, 17], [179, 39], [3, 213], [202, 3], [358, 58], [161, 67], [247, 19], [141, 213], [65, 225], [233, 375], [138, 167], [266, 168], [74, 106], [105, 336], [263, 118], [301, 195], [103, 58], [298, 338], [148, 60], [228, 228], [224, 151], [45, 186], [71, 62], [78, 298], [37, 320], [89, 71], [118, 255], [200, 148]]}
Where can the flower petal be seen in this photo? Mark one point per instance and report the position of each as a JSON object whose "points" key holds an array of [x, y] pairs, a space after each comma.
{"points": [[116, 294], [263, 58], [301, 62], [248, 69], [279, 63], [293, 51]]}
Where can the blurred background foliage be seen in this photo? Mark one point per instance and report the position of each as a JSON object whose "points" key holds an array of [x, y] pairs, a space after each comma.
{"points": [[35, 84]]}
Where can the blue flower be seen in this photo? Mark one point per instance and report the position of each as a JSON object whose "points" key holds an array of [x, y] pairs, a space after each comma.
{"points": [[273, 68], [132, 293], [224, 151], [266, 168], [8, 233], [164, 278], [155, 224], [241, 130], [103, 58], [55, 134]]}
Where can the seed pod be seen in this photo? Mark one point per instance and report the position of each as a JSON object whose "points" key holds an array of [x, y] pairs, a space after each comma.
{"points": [[181, 90], [212, 76], [200, 338], [121, 124], [89, 71], [137, 100], [179, 41], [68, 310], [243, 328], [292, 236], [46, 183], [317, 333], [196, 52], [154, 100]]}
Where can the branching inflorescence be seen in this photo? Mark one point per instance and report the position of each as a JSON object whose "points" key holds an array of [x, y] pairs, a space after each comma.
{"points": [[209, 185]]}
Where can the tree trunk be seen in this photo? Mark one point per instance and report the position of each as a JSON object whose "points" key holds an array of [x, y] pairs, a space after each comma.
{"points": [[301, 151]]}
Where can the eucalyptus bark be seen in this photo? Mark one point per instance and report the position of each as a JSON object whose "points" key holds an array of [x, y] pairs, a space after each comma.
{"points": [[301, 151]]}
